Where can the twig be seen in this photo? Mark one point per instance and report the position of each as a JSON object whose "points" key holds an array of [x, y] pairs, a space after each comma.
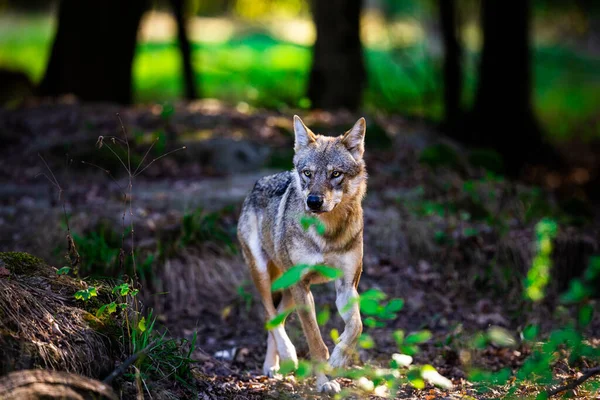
{"points": [[123, 367], [587, 375], [158, 158]]}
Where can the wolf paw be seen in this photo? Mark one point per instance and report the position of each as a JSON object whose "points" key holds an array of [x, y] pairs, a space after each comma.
{"points": [[272, 371], [330, 387]]}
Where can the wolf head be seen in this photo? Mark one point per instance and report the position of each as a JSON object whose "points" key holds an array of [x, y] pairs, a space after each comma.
{"points": [[329, 170]]}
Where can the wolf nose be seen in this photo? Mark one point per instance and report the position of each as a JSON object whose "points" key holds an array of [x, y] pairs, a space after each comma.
{"points": [[314, 202]]}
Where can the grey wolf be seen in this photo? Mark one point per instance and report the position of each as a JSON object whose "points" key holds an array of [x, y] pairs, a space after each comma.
{"points": [[328, 182]]}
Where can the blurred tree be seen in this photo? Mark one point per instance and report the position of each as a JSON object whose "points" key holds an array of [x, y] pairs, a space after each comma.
{"points": [[452, 65], [93, 50], [502, 116], [337, 77], [185, 49]]}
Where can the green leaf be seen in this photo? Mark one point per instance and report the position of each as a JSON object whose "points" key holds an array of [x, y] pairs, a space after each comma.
{"points": [[586, 313], [373, 323], [335, 335], [289, 277], [374, 294], [101, 310], [278, 319], [369, 306], [394, 305], [469, 232], [86, 294], [323, 316], [530, 332], [593, 269], [480, 341], [409, 349], [418, 337], [63, 271], [107, 309], [366, 341], [328, 272], [304, 369], [577, 292], [398, 337], [415, 379], [142, 324], [501, 337], [287, 366], [134, 292], [307, 222]]}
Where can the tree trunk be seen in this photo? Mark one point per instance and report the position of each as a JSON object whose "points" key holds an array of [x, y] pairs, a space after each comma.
{"points": [[452, 66], [185, 49], [338, 73], [93, 50], [502, 116]]}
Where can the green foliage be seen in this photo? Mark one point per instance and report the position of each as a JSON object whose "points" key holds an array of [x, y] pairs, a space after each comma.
{"points": [[408, 344], [307, 222], [539, 273], [107, 309], [245, 295], [295, 274], [440, 155], [199, 226], [371, 304], [63, 271], [278, 319], [323, 316], [287, 367], [86, 294]]}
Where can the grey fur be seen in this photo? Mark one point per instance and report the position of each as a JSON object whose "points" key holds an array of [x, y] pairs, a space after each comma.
{"points": [[273, 240]]}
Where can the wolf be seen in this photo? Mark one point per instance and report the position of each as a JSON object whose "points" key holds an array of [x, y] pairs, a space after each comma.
{"points": [[328, 182]]}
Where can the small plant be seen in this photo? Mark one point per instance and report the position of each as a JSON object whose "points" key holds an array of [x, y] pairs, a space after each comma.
{"points": [[86, 294]]}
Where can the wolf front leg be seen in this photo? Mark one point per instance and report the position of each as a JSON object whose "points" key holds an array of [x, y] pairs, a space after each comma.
{"points": [[348, 307], [318, 350]]}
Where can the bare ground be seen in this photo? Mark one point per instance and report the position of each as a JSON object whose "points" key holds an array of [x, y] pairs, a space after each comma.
{"points": [[457, 275]]}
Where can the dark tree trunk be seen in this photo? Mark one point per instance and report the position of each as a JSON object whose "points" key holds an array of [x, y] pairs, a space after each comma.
{"points": [[502, 117], [93, 50], [338, 74], [185, 49], [452, 66]]}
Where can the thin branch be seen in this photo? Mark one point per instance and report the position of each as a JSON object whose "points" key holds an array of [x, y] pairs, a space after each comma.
{"points": [[145, 155], [587, 375], [119, 158], [158, 158], [54, 181], [108, 173], [123, 367]]}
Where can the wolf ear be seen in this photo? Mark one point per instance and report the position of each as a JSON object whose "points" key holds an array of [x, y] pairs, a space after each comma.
{"points": [[354, 139], [304, 136]]}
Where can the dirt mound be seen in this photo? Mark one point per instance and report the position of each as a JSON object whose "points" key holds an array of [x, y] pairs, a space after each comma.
{"points": [[42, 325], [39, 384]]}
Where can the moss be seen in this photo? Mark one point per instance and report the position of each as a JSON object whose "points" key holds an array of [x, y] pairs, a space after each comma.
{"points": [[21, 263]]}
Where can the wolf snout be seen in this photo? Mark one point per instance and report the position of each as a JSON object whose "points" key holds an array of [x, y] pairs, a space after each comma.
{"points": [[314, 202]]}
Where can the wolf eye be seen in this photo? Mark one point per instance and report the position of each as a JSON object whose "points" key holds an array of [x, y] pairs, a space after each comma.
{"points": [[336, 174], [307, 173]]}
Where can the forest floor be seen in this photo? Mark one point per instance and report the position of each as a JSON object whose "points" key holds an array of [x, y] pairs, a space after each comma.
{"points": [[449, 237]]}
